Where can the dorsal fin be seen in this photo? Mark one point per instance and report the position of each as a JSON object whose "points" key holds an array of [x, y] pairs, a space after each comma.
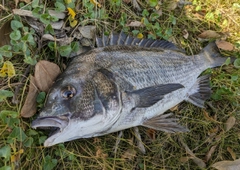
{"points": [[123, 39]]}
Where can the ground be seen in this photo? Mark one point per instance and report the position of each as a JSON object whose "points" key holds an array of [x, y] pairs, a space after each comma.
{"points": [[214, 131]]}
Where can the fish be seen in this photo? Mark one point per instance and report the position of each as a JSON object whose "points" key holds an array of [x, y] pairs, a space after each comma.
{"points": [[125, 82]]}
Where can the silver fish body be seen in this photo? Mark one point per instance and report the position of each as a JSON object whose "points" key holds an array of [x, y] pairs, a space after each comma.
{"points": [[125, 82]]}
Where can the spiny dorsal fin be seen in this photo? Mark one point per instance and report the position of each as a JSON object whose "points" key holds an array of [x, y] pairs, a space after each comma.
{"points": [[164, 123], [123, 39], [200, 91]]}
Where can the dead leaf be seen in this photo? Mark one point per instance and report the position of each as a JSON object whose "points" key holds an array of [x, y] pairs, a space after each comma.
{"points": [[227, 165], [209, 34], [185, 34], [136, 5], [151, 133], [184, 159], [195, 159], [224, 45], [233, 154], [88, 31], [30, 106], [26, 1], [57, 25], [172, 5], [205, 113], [5, 30], [129, 154], [127, 1], [139, 140], [45, 74], [100, 153], [22, 12], [230, 123], [210, 152], [135, 24], [57, 14]]}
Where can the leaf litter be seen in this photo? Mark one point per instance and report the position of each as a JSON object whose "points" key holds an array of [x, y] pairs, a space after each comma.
{"points": [[227, 165]]}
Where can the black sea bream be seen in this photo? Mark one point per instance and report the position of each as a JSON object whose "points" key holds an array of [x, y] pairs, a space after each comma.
{"points": [[123, 83]]}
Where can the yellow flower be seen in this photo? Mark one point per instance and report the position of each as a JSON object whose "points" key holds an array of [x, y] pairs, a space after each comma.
{"points": [[68, 1], [96, 3], [71, 13], [140, 35], [7, 69]]}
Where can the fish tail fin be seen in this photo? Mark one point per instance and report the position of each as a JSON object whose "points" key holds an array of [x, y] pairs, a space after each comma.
{"points": [[213, 56], [200, 91]]}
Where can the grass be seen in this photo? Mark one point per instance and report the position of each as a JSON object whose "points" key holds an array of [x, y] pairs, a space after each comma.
{"points": [[22, 147]]}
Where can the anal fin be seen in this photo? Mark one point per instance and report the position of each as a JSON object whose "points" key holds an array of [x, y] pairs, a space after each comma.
{"points": [[165, 123], [200, 91]]}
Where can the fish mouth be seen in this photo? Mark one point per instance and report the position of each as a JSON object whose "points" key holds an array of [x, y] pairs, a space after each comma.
{"points": [[53, 123]]}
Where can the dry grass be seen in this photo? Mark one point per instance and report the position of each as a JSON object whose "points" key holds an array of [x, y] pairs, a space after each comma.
{"points": [[164, 151]]}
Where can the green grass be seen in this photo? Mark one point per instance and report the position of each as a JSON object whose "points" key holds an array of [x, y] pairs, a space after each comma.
{"points": [[164, 151]]}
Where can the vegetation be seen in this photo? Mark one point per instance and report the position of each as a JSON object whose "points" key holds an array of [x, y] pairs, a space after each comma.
{"points": [[214, 131]]}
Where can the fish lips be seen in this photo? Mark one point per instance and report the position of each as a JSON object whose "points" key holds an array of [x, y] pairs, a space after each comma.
{"points": [[55, 123]]}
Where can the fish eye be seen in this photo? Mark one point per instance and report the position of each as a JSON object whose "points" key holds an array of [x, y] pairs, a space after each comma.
{"points": [[68, 92]]}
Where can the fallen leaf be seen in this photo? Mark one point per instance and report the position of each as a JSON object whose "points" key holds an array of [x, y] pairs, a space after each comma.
{"points": [[136, 5], [100, 153], [210, 152], [185, 34], [7, 70], [205, 113], [45, 74], [30, 107], [22, 12], [135, 24], [57, 14], [129, 154], [88, 31], [230, 123], [26, 1], [57, 25], [224, 45], [172, 5], [209, 34], [5, 30], [151, 133], [233, 154], [227, 165], [184, 159], [195, 159], [127, 1]]}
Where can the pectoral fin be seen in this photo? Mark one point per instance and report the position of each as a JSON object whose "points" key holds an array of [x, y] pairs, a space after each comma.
{"points": [[164, 123], [150, 95]]}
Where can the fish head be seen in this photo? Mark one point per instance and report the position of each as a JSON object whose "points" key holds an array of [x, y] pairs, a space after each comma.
{"points": [[74, 109]]}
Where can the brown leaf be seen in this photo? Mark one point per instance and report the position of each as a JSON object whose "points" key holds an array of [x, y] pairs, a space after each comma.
{"points": [[233, 154], [195, 159], [88, 31], [209, 34], [230, 123], [210, 152], [26, 1], [185, 34], [172, 5], [45, 74], [227, 165], [135, 24], [30, 107], [225, 45], [151, 133], [5, 30], [129, 154], [127, 1]]}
